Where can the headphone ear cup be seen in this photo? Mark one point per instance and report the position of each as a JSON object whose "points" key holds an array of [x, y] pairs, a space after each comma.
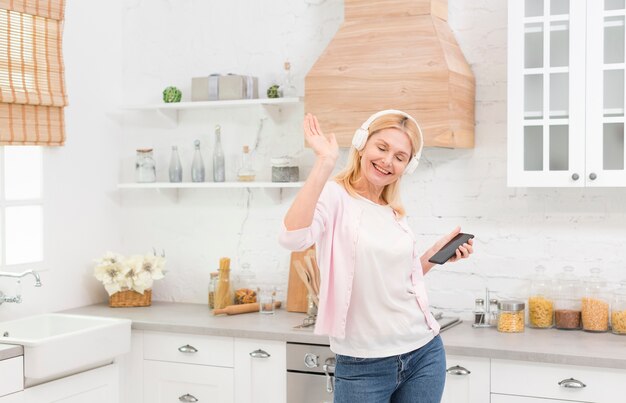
{"points": [[411, 166], [360, 138]]}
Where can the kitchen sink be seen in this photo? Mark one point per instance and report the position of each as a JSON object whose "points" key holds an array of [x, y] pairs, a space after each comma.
{"points": [[57, 345]]}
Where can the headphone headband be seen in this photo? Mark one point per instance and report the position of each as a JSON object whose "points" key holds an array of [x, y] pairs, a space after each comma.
{"points": [[362, 133]]}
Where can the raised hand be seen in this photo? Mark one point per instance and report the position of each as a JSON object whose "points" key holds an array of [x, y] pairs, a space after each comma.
{"points": [[324, 146]]}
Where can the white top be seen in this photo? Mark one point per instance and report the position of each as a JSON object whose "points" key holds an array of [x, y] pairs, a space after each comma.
{"points": [[384, 318]]}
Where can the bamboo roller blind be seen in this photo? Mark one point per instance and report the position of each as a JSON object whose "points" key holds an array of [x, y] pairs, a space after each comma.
{"points": [[32, 78]]}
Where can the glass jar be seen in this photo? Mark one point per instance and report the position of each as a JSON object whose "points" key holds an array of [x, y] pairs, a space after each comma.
{"points": [[567, 300], [284, 170], [511, 316], [540, 303], [595, 303], [212, 288], [245, 282], [618, 309], [223, 290], [145, 167]]}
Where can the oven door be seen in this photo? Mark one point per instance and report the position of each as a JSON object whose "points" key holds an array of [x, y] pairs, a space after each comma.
{"points": [[307, 388]]}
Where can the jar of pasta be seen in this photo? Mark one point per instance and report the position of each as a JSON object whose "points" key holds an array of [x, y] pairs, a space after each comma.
{"points": [[595, 303], [567, 300], [618, 309], [511, 316], [540, 303]]}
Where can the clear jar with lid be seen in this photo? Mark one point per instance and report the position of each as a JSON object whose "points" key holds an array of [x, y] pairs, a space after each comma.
{"points": [[595, 303], [567, 300], [540, 302], [145, 167], [284, 170], [511, 316], [618, 309]]}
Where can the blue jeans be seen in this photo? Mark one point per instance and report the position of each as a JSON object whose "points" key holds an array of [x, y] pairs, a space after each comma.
{"points": [[414, 377]]}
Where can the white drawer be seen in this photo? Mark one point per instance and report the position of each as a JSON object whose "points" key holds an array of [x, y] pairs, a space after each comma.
{"points": [[542, 380], [189, 349], [11, 375], [166, 382]]}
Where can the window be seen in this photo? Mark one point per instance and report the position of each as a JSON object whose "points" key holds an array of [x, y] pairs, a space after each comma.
{"points": [[21, 207]]}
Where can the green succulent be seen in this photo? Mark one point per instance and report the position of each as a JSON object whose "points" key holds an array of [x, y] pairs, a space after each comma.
{"points": [[172, 94], [272, 92]]}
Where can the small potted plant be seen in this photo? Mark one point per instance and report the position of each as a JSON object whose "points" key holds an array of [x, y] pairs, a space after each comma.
{"points": [[128, 280]]}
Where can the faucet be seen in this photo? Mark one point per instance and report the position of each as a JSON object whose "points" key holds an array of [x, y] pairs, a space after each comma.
{"points": [[20, 275], [18, 298]]}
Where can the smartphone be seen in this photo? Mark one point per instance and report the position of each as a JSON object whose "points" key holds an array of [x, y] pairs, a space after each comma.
{"points": [[449, 249]]}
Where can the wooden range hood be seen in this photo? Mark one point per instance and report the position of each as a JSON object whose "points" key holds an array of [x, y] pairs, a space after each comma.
{"points": [[394, 54]]}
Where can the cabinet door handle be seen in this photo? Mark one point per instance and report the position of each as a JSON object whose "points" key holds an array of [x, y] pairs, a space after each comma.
{"points": [[593, 176], [260, 354], [575, 176], [187, 349], [187, 398], [458, 370], [572, 383]]}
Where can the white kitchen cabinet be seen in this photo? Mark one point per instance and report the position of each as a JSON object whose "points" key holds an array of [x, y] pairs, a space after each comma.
{"points": [[166, 382], [523, 399], [260, 371], [184, 367], [100, 385], [566, 93], [467, 380], [555, 381], [12, 375]]}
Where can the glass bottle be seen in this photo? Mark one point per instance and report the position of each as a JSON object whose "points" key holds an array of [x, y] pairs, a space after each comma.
{"points": [[219, 172], [197, 166], [618, 309], [176, 170], [212, 288], [479, 312], [595, 303], [493, 312], [287, 89], [145, 167], [246, 173], [540, 301], [567, 298]]}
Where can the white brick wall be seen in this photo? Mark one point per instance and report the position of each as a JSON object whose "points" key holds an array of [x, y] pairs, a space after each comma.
{"points": [[515, 229]]}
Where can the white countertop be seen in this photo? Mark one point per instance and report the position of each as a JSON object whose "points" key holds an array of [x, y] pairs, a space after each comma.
{"points": [[10, 351], [537, 345]]}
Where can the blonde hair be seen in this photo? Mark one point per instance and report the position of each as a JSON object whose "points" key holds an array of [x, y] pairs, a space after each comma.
{"points": [[352, 172]]}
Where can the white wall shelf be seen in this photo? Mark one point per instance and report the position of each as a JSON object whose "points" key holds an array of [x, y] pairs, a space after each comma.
{"points": [[171, 110], [209, 185]]}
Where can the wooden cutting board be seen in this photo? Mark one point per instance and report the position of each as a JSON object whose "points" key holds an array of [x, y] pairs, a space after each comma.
{"points": [[296, 290]]}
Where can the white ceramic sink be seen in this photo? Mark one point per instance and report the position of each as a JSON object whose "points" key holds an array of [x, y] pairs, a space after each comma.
{"points": [[57, 344]]}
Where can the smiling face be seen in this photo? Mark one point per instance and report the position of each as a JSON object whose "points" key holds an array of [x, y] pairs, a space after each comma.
{"points": [[385, 156]]}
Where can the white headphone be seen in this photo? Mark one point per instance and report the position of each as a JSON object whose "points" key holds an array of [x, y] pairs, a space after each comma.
{"points": [[361, 134]]}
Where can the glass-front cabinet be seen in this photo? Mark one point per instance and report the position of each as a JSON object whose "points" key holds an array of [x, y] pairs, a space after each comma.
{"points": [[566, 93]]}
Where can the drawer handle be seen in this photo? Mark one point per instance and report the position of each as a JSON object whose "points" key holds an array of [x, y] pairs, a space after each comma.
{"points": [[188, 398], [572, 383], [458, 370], [260, 354], [189, 350]]}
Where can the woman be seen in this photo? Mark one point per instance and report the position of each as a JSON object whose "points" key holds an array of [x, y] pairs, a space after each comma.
{"points": [[372, 299]]}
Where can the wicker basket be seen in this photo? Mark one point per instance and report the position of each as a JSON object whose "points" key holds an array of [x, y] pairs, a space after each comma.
{"points": [[128, 298]]}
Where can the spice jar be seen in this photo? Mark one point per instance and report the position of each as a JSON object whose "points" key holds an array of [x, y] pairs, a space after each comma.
{"points": [[284, 170], [212, 288], [567, 300], [595, 304], [511, 316], [145, 167], [618, 309], [540, 303]]}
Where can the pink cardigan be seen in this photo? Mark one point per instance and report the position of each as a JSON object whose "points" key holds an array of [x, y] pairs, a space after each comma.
{"points": [[334, 230]]}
